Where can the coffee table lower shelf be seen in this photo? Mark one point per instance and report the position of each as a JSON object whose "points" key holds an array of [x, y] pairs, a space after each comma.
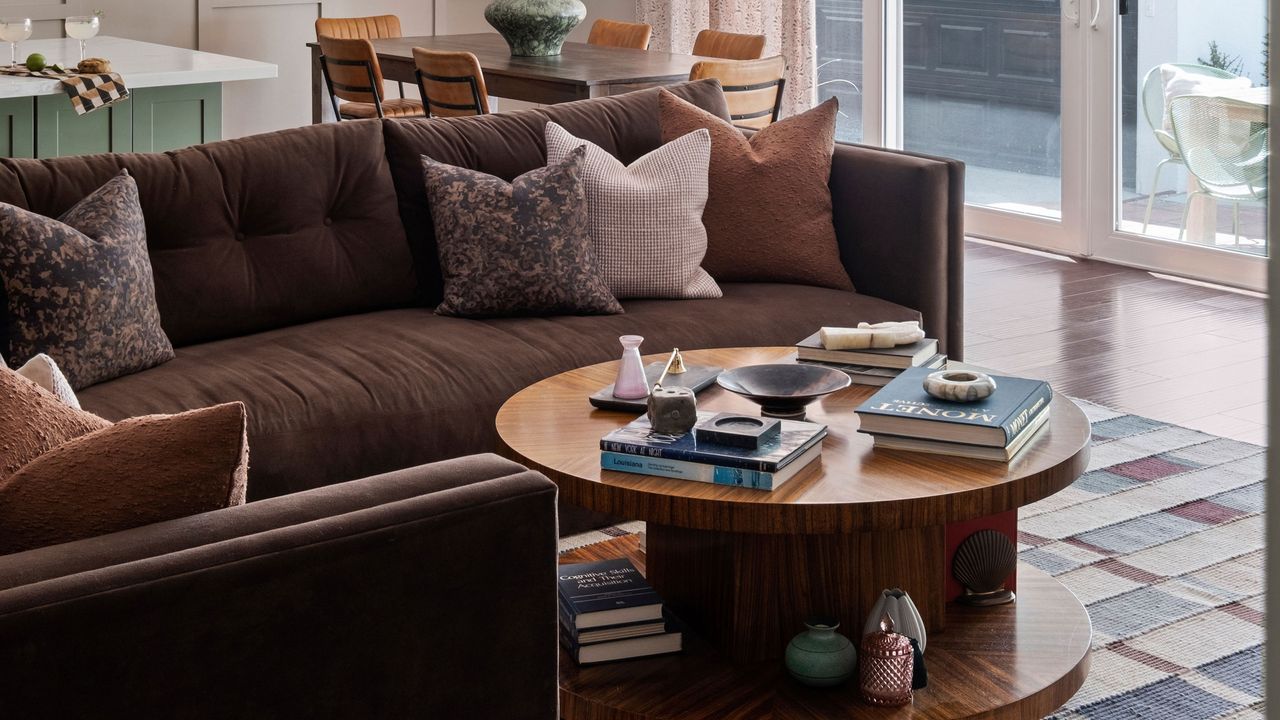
{"points": [[1023, 660]]}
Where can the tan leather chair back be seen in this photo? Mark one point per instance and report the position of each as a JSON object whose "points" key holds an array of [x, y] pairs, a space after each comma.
{"points": [[351, 69], [451, 83], [752, 88], [616, 33], [731, 46], [370, 28]]}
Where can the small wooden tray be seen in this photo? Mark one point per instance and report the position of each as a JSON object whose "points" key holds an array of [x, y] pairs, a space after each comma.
{"points": [[695, 377]]}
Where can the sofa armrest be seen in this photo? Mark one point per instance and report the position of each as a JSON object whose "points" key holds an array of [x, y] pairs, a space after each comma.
{"points": [[899, 220], [424, 592]]}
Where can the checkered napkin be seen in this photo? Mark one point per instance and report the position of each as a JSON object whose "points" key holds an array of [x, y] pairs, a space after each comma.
{"points": [[88, 92]]}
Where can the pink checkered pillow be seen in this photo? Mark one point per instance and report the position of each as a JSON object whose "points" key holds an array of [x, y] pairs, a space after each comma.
{"points": [[645, 220]]}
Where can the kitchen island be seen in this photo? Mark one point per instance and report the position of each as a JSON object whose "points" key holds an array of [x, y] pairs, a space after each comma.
{"points": [[175, 100]]}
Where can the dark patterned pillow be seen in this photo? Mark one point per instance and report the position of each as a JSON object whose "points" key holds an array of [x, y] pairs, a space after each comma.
{"points": [[80, 288], [515, 249]]}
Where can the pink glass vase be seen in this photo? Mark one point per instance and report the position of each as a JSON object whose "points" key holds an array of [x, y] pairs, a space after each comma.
{"points": [[631, 383]]}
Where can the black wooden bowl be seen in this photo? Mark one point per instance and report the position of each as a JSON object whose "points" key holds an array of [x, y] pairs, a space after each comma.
{"points": [[783, 389]]}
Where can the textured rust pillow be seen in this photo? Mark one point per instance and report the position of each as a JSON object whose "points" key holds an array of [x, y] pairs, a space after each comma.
{"points": [[80, 287], [515, 249], [66, 474], [768, 213]]}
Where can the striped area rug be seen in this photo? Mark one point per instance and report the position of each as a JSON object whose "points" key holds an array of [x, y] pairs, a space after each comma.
{"points": [[1162, 540]]}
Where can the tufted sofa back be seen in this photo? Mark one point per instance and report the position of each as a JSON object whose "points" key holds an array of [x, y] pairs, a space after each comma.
{"points": [[251, 234]]}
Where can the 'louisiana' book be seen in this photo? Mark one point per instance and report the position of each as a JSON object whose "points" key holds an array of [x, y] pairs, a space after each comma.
{"points": [[607, 592], [586, 654], [903, 408], [715, 474], [902, 356], [638, 438]]}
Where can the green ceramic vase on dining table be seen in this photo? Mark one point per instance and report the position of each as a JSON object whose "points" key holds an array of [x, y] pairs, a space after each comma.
{"points": [[535, 28]]}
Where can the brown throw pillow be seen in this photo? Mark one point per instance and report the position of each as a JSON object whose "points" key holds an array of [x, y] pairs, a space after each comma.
{"points": [[515, 249], [67, 475], [646, 218], [768, 213], [80, 288]]}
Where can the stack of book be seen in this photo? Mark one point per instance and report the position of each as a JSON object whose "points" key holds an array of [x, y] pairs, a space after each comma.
{"points": [[635, 448], [902, 416], [871, 366], [608, 612]]}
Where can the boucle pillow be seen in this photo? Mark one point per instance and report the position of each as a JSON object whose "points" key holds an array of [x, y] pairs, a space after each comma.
{"points": [[518, 248], [80, 288], [646, 218], [768, 213], [66, 474]]}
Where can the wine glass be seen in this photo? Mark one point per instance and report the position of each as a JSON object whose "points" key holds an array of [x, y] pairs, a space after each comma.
{"points": [[82, 27], [14, 31]]}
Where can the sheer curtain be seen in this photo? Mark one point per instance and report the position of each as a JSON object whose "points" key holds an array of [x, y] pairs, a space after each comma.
{"points": [[788, 27]]}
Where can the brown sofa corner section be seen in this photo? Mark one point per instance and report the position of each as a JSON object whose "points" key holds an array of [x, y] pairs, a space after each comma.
{"points": [[428, 592]]}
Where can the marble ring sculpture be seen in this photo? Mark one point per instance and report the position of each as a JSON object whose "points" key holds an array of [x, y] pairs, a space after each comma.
{"points": [[959, 385]]}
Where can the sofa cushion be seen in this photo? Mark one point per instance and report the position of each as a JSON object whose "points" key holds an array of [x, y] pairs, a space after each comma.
{"points": [[348, 397], [646, 218], [79, 288], [242, 233], [518, 248], [71, 475], [768, 215], [510, 144], [43, 371]]}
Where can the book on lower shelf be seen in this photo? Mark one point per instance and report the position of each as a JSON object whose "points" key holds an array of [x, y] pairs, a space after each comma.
{"points": [[871, 375], [608, 611], [901, 356], [903, 409]]}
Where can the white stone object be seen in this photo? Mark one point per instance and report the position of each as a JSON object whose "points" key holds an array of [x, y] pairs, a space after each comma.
{"points": [[959, 385], [877, 336]]}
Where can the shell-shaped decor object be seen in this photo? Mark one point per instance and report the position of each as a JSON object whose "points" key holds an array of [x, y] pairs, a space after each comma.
{"points": [[981, 564], [898, 605]]}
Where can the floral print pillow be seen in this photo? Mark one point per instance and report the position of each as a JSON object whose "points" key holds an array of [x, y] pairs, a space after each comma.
{"points": [[80, 288], [519, 248]]}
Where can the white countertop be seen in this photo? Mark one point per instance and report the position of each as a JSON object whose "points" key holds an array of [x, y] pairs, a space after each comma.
{"points": [[140, 64]]}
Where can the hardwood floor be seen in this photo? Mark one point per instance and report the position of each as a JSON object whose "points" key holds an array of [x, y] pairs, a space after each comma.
{"points": [[1175, 351]]}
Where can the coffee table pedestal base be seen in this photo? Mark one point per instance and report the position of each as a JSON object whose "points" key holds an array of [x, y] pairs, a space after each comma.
{"points": [[749, 594]]}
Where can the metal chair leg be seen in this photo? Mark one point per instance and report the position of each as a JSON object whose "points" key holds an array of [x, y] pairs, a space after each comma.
{"points": [[1235, 220], [1151, 196], [1186, 209]]}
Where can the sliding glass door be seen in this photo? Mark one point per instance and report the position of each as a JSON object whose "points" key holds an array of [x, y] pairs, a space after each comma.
{"points": [[1182, 102], [1064, 109]]}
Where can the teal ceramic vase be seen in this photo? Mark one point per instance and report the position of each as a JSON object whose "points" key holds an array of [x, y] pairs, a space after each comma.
{"points": [[534, 28], [820, 656]]}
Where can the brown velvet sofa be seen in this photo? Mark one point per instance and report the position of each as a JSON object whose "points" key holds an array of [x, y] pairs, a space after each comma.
{"points": [[296, 271]]}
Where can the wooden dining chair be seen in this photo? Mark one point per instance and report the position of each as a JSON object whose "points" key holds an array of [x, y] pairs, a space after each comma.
{"points": [[451, 83], [752, 88], [369, 28], [616, 33], [352, 74], [727, 45]]}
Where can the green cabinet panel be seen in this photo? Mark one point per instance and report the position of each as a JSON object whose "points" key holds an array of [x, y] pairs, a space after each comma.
{"points": [[60, 131], [168, 118], [17, 128]]}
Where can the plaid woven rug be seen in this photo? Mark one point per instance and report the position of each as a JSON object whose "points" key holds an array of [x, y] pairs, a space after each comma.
{"points": [[1162, 540]]}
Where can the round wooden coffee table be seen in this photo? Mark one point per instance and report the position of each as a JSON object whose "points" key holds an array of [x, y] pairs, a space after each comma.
{"points": [[744, 568]]}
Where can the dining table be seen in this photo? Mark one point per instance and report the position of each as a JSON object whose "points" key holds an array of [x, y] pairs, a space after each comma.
{"points": [[580, 71]]}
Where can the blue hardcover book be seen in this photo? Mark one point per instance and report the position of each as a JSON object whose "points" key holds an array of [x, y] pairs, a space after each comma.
{"points": [[903, 408], [638, 438], [715, 474], [608, 592]]}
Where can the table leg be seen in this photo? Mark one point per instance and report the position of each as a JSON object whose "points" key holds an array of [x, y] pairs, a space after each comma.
{"points": [[1202, 216], [319, 94], [750, 594]]}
